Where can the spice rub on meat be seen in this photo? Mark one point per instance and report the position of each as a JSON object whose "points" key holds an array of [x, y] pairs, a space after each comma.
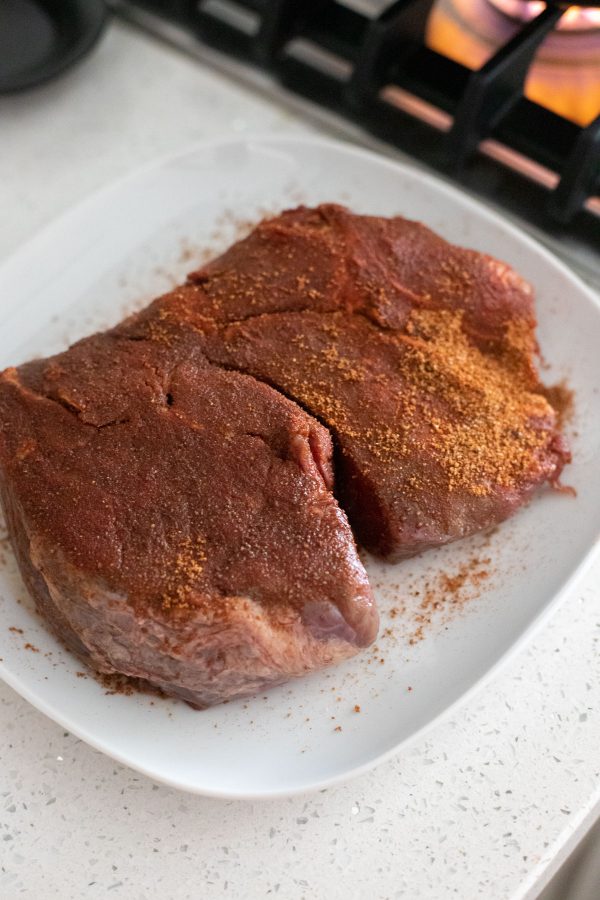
{"points": [[175, 522], [168, 484], [418, 356]]}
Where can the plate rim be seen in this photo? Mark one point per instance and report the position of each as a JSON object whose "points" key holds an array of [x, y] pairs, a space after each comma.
{"points": [[435, 185]]}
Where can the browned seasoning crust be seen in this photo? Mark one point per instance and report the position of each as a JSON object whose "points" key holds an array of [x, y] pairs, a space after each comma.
{"points": [[168, 484]]}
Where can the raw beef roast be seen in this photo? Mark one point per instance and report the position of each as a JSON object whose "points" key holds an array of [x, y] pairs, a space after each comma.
{"points": [[175, 521], [168, 484], [418, 356]]}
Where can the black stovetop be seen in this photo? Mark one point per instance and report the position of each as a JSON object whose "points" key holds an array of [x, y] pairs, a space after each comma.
{"points": [[366, 63]]}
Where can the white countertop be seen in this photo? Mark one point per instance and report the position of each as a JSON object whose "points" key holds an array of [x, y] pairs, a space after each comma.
{"points": [[487, 806]]}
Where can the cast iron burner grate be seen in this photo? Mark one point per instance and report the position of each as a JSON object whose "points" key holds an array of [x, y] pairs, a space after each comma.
{"points": [[368, 60]]}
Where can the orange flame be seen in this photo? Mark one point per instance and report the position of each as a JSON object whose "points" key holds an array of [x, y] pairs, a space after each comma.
{"points": [[565, 75]]}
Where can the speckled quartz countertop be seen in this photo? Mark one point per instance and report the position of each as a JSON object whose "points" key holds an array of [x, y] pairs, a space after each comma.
{"points": [[487, 806]]}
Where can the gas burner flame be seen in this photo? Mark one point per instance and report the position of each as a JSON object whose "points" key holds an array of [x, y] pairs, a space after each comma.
{"points": [[575, 18], [565, 74]]}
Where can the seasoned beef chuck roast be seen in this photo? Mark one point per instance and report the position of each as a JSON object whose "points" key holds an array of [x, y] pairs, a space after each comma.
{"points": [[175, 521], [418, 356], [168, 484]]}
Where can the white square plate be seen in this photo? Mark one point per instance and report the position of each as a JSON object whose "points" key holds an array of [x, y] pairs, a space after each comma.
{"points": [[128, 243]]}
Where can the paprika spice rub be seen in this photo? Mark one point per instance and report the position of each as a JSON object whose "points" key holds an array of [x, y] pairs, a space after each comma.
{"points": [[418, 356], [175, 522], [169, 484]]}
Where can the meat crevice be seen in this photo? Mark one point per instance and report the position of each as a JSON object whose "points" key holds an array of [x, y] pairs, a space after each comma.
{"points": [[168, 485]]}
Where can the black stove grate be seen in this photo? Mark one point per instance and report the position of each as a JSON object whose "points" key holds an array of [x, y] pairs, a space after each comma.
{"points": [[368, 60]]}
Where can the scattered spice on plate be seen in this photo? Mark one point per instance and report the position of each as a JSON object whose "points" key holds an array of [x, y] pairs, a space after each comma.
{"points": [[123, 685], [561, 398], [429, 601]]}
